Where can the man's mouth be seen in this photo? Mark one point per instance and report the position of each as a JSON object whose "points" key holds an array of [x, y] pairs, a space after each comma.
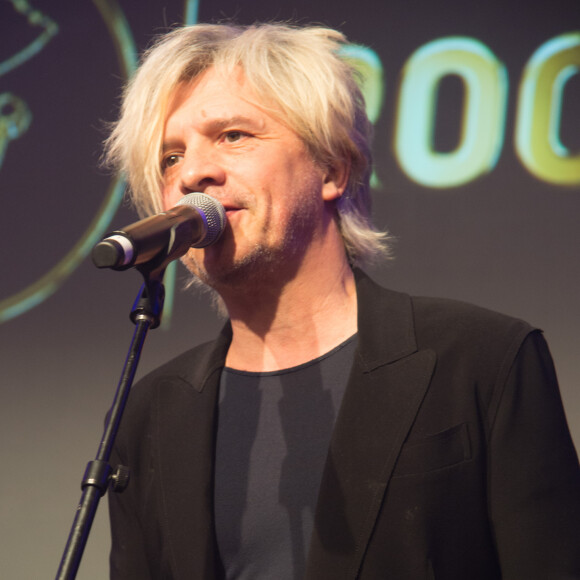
{"points": [[231, 210]]}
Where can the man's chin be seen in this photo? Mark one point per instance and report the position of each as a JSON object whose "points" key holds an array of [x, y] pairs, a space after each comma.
{"points": [[222, 272], [213, 271]]}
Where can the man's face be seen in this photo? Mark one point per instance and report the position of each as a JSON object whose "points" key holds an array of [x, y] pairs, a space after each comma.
{"points": [[218, 140]]}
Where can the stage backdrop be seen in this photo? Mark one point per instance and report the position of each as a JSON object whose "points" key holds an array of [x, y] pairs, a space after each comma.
{"points": [[477, 114]]}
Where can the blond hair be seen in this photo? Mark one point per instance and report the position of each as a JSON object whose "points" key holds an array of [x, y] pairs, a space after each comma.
{"points": [[297, 72]]}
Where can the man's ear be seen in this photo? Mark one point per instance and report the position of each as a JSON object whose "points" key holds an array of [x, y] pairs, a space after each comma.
{"points": [[335, 180]]}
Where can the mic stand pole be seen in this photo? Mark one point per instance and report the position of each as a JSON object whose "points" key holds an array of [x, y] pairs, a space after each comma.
{"points": [[146, 314]]}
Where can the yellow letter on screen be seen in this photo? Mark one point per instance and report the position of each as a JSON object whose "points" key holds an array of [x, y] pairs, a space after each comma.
{"points": [[537, 136]]}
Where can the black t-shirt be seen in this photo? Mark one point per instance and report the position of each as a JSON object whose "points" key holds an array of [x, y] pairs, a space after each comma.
{"points": [[273, 434]]}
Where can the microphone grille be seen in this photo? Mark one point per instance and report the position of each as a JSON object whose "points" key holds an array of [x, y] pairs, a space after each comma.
{"points": [[213, 213]]}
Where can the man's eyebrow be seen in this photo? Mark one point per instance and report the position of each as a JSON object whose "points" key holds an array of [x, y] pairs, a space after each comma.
{"points": [[236, 120], [217, 125]]}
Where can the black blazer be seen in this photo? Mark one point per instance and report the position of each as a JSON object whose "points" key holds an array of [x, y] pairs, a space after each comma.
{"points": [[450, 459]]}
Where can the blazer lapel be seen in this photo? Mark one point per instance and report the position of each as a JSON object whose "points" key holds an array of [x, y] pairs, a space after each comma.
{"points": [[388, 382], [185, 425]]}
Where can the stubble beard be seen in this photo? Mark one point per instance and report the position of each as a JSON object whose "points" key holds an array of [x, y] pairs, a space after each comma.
{"points": [[261, 265], [232, 273]]}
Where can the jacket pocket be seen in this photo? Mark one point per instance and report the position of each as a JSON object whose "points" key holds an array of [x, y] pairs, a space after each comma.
{"points": [[437, 451]]}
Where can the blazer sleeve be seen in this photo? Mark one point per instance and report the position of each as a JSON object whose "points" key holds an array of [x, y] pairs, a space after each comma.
{"points": [[533, 477], [128, 557]]}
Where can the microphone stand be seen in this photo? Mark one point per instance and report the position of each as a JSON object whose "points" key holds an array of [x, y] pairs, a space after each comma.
{"points": [[146, 314]]}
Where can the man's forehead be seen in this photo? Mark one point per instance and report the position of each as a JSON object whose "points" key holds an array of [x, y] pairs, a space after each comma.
{"points": [[234, 80], [230, 97]]}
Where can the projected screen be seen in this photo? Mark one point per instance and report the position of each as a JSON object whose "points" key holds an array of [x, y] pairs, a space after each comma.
{"points": [[476, 109]]}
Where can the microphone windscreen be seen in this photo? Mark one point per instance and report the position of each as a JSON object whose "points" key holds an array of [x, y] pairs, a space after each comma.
{"points": [[213, 213]]}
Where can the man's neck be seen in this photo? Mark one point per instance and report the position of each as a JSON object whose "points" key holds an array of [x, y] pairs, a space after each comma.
{"points": [[277, 327]]}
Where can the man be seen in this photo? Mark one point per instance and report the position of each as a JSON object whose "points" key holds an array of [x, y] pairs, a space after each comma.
{"points": [[334, 429]]}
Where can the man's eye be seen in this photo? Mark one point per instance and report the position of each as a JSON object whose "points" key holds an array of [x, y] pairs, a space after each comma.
{"points": [[169, 161], [233, 136]]}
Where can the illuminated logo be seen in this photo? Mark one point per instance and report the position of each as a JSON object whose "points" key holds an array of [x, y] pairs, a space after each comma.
{"points": [[484, 77], [537, 138], [17, 117], [538, 128]]}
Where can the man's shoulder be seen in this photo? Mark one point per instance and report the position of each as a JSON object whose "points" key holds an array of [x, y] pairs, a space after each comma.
{"points": [[191, 368], [176, 384], [472, 344], [462, 315], [463, 330], [443, 323], [437, 312], [181, 365]]}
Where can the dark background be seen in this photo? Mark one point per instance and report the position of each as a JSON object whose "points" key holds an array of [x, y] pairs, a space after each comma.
{"points": [[506, 240]]}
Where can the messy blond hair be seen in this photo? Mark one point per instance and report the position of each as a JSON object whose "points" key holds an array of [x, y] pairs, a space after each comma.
{"points": [[298, 74]]}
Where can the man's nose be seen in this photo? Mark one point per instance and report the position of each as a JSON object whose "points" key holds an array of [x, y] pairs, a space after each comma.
{"points": [[199, 170]]}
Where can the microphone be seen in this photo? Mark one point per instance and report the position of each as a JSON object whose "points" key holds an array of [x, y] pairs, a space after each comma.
{"points": [[197, 221]]}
